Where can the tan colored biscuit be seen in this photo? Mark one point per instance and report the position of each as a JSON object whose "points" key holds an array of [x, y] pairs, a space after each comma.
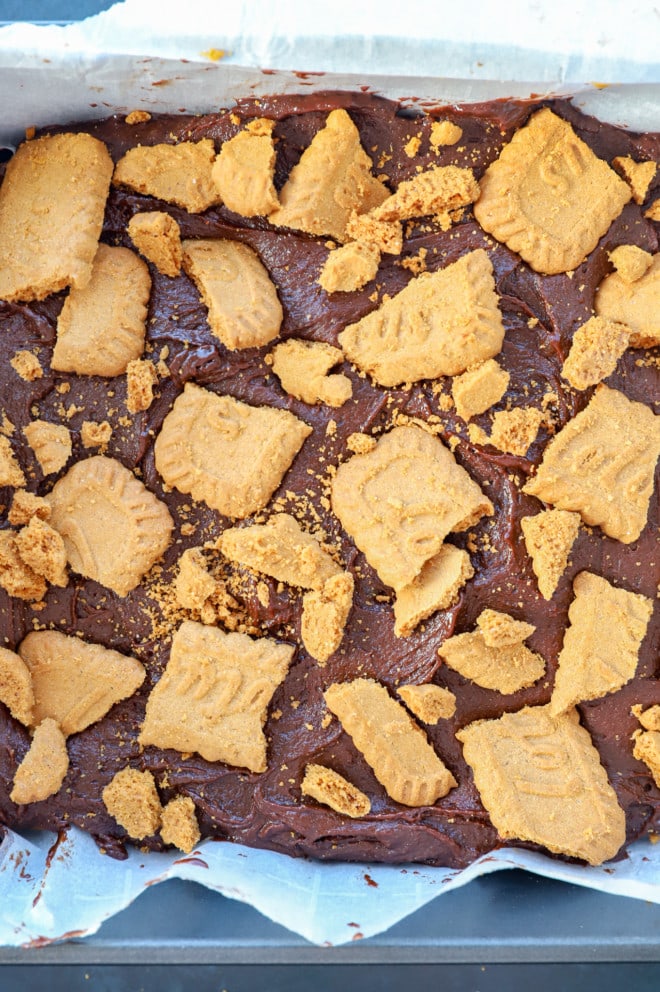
{"points": [[444, 133], [225, 453], [51, 444], [349, 268], [213, 697], [541, 780], [74, 682], [302, 368], [243, 307], [438, 190], [180, 174], [42, 770], [42, 549], [102, 327], [601, 644], [647, 749], [631, 262], [514, 430], [399, 501], [638, 175], [653, 212], [649, 718], [132, 799], [596, 348], [332, 178], [392, 743], [333, 790], [503, 669], [548, 196], [501, 630], [95, 435], [140, 380], [476, 390], [324, 616], [440, 324], [602, 465], [179, 824], [380, 235], [26, 505], [429, 703], [635, 304], [16, 687], [11, 473], [52, 203], [113, 528], [282, 549], [16, 577], [549, 537], [137, 117], [194, 583], [437, 587], [243, 173], [27, 366], [157, 237]]}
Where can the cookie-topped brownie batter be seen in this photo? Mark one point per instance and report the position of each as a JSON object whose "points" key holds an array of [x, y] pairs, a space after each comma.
{"points": [[328, 451]]}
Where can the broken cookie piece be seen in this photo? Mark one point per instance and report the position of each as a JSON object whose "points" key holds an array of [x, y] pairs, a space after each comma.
{"points": [[440, 324], [333, 790], [27, 366], [635, 304], [140, 379], [157, 237], [437, 587], [180, 174], [503, 669], [476, 390], [549, 537], [444, 133], [16, 577], [429, 703], [647, 749], [540, 778], [26, 505], [132, 800], [95, 435], [324, 616], [213, 695], [631, 262], [649, 718], [436, 191], [391, 742], [379, 235], [179, 825], [194, 583], [601, 644], [514, 430], [399, 501], [42, 770], [11, 473], [42, 549], [349, 268], [243, 172], [16, 687], [596, 348], [51, 444], [229, 455], [638, 175], [500, 630], [302, 368]]}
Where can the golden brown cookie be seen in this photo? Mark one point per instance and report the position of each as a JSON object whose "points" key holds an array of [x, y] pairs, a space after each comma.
{"points": [[549, 537], [42, 770], [437, 587], [243, 173], [302, 368], [324, 616], [180, 174], [429, 703], [333, 790], [157, 237], [635, 304], [132, 799]]}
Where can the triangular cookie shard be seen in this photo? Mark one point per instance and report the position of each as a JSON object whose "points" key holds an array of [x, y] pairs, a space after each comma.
{"points": [[549, 537], [636, 304], [505, 669], [601, 645], [602, 464], [214, 695], [440, 324], [332, 179], [42, 770], [225, 453], [541, 780], [76, 683], [16, 687], [548, 196], [113, 528]]}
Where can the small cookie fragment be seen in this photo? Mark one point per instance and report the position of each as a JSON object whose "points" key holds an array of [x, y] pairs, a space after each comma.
{"points": [[140, 379], [333, 790], [500, 630], [503, 669], [244, 310], [631, 262], [302, 368], [653, 212], [131, 798], [596, 348], [399, 501], [332, 179], [179, 824], [638, 175], [16, 687], [635, 304], [541, 780], [157, 237], [42, 549], [549, 537], [26, 505], [380, 235], [213, 695], [114, 528], [514, 430], [349, 268], [649, 718], [281, 549], [52, 203], [95, 435], [42, 770], [225, 453], [17, 578], [101, 328], [601, 644], [324, 616], [548, 196], [137, 117], [647, 749], [436, 191], [180, 174], [435, 588], [395, 747], [51, 444], [243, 173], [11, 473], [602, 464], [27, 366], [444, 133], [429, 703], [440, 324], [476, 390], [194, 583], [74, 682]]}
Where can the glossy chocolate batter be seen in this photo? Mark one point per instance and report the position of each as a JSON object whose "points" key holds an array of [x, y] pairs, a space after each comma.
{"points": [[267, 810]]}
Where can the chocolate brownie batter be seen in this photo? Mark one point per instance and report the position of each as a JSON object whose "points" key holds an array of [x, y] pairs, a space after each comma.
{"points": [[540, 314]]}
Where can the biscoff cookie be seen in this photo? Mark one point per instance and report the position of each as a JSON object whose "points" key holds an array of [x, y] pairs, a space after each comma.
{"points": [[429, 703], [333, 790], [303, 366], [325, 614], [42, 770], [436, 587], [549, 537], [244, 169], [51, 444], [180, 174], [635, 304], [157, 237]]}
